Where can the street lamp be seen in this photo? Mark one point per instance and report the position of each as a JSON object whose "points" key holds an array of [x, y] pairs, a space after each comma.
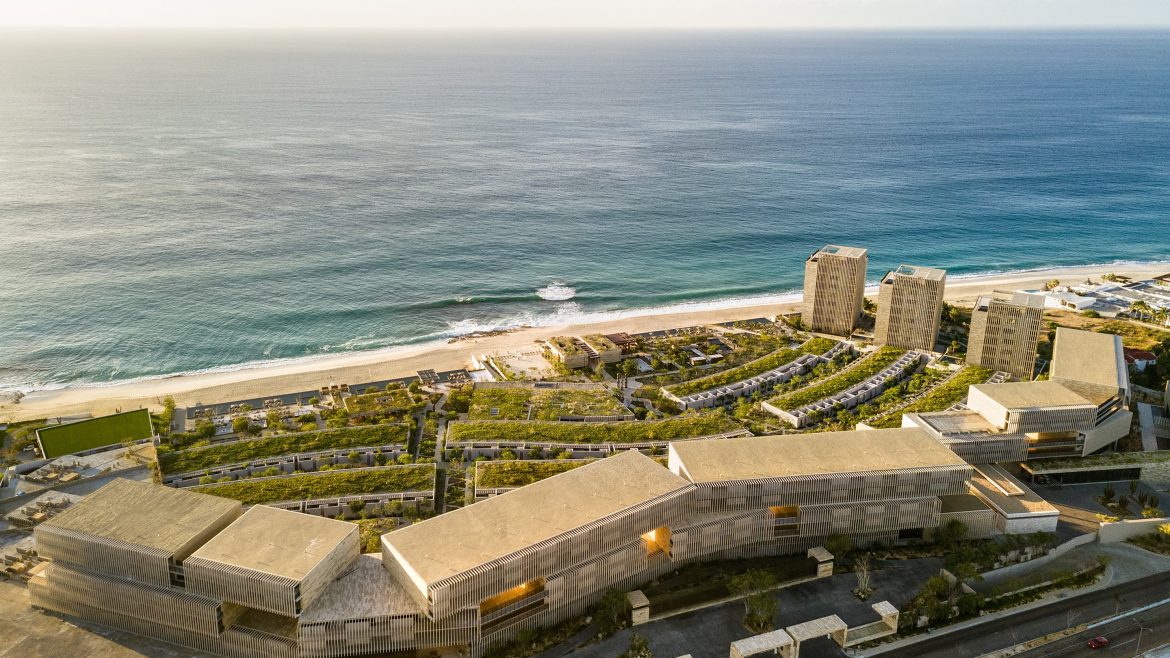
{"points": [[1141, 629]]}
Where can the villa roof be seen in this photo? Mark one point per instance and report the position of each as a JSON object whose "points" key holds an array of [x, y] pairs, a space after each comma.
{"points": [[495, 528], [1023, 395], [1089, 357], [811, 454], [146, 514], [276, 541], [1025, 503]]}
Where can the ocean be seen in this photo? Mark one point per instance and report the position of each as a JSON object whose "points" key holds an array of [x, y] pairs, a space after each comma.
{"points": [[182, 201]]}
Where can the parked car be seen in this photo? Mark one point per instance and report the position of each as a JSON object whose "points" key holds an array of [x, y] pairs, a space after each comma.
{"points": [[1098, 642]]}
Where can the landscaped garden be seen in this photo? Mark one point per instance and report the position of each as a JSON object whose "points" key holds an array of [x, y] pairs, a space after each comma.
{"points": [[863, 370], [1158, 542], [941, 398], [331, 484], [688, 425], [195, 459], [393, 402], [529, 403], [753, 368], [511, 473]]}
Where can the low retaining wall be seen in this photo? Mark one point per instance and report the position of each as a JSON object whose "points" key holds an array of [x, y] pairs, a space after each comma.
{"points": [[1122, 530]]}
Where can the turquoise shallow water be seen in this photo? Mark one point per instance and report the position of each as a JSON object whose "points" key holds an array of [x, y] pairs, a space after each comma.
{"points": [[183, 201]]}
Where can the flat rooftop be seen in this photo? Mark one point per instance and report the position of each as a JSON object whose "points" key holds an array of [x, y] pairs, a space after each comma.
{"points": [[1014, 298], [914, 271], [838, 250], [812, 454], [465, 538], [1089, 357], [276, 541], [366, 590], [1024, 395], [1028, 503], [146, 514], [958, 423]]}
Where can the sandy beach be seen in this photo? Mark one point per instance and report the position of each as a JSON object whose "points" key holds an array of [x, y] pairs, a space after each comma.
{"points": [[357, 367]]}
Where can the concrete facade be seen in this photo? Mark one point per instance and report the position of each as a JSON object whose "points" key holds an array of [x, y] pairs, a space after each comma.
{"points": [[909, 307], [1005, 330], [834, 289]]}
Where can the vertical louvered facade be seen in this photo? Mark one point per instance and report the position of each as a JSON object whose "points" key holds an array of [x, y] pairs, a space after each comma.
{"points": [[1005, 330], [909, 308]]}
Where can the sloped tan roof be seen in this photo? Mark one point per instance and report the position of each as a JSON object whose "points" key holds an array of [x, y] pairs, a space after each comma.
{"points": [[276, 541], [465, 538], [1022, 395], [856, 451], [146, 514], [1089, 357]]}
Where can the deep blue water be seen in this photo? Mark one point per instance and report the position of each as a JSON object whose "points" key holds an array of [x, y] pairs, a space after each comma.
{"points": [[178, 201]]}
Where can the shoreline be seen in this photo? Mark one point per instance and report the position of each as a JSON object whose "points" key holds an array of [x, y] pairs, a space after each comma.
{"points": [[275, 378]]}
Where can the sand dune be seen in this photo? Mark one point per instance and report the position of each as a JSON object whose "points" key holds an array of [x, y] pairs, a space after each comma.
{"points": [[357, 367]]}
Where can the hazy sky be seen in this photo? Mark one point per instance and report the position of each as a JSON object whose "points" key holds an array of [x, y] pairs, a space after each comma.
{"points": [[621, 14]]}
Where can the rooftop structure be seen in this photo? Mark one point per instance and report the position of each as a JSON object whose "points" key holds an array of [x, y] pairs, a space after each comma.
{"points": [[471, 537], [1005, 329], [168, 520], [808, 454], [1090, 358], [834, 287], [909, 307]]}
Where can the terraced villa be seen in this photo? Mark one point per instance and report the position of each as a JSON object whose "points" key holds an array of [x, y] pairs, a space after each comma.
{"points": [[754, 376], [545, 401], [854, 385]]}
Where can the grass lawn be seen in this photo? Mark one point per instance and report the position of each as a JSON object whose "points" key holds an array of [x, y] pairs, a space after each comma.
{"points": [[94, 433], [329, 484]]}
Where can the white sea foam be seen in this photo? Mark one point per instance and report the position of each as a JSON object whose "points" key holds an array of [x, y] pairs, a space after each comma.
{"points": [[556, 292]]}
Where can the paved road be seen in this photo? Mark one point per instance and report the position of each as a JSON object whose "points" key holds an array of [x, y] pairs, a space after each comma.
{"points": [[1127, 637], [1022, 626]]}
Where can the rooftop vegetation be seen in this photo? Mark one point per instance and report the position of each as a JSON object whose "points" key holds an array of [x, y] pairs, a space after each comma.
{"points": [[546, 403], [565, 344], [331, 484], [397, 401], [600, 342], [941, 397], [863, 370], [753, 368], [498, 474], [688, 425], [69, 438], [196, 459]]}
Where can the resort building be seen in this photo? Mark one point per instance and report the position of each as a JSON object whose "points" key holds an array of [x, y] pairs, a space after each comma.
{"points": [[834, 289], [1079, 411], [1005, 329], [909, 307], [191, 569]]}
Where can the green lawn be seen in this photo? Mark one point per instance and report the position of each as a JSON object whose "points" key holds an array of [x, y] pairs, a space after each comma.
{"points": [[329, 484], [196, 459], [87, 434], [688, 425]]}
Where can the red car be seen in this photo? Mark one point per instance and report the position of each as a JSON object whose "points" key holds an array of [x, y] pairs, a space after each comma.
{"points": [[1098, 642]]}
